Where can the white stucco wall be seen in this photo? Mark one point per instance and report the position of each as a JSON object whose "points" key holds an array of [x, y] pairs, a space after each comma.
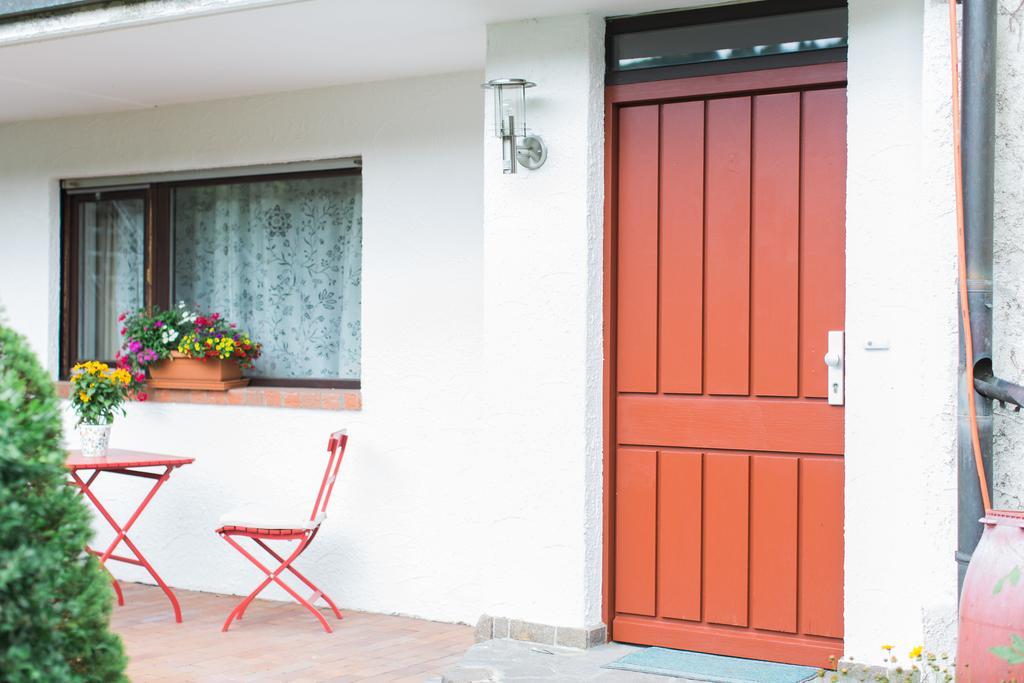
{"points": [[407, 528], [542, 328], [1008, 272], [901, 288]]}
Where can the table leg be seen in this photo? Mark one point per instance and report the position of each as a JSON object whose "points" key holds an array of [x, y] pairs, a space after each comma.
{"points": [[121, 533], [81, 486]]}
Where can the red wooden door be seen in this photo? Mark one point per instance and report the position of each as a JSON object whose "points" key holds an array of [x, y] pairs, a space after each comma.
{"points": [[728, 232]]}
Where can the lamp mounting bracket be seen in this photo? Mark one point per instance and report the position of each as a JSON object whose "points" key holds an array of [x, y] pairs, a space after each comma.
{"points": [[531, 152]]}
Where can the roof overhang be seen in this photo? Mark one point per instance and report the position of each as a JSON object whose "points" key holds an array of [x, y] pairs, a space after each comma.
{"points": [[162, 52]]}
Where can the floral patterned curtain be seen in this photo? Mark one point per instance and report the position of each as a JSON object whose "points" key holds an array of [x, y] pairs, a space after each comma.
{"points": [[283, 259]]}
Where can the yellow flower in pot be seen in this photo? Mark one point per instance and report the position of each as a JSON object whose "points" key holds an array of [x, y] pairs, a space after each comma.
{"points": [[97, 392]]}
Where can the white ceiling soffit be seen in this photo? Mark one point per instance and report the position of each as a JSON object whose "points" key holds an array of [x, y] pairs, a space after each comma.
{"points": [[172, 51]]}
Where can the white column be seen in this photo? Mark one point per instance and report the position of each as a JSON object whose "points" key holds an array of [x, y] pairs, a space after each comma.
{"points": [[901, 288], [542, 328]]}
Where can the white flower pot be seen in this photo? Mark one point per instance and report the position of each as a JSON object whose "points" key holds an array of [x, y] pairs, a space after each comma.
{"points": [[95, 440]]}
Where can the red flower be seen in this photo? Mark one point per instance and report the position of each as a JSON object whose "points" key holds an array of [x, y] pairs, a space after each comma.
{"points": [[121, 318], [123, 330], [142, 396], [140, 377], [202, 322]]}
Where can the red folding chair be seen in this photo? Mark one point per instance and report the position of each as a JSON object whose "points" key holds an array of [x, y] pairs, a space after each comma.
{"points": [[261, 527]]}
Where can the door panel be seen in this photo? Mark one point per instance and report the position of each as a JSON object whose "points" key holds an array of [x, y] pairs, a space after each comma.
{"points": [[774, 490], [679, 534], [635, 526], [821, 540], [823, 234], [730, 232], [700, 422], [681, 251], [725, 538], [638, 250], [727, 234], [775, 243]]}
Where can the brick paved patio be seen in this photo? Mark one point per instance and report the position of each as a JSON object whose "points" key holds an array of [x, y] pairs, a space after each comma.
{"points": [[277, 641]]}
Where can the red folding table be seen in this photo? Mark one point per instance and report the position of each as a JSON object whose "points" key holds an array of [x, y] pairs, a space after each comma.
{"points": [[130, 463]]}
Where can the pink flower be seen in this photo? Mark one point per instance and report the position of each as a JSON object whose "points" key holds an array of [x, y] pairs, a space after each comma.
{"points": [[146, 356], [158, 324], [140, 377], [202, 322], [123, 330], [121, 318], [215, 316], [135, 346], [142, 396]]}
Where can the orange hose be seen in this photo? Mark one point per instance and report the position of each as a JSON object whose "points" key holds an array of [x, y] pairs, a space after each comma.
{"points": [[965, 310]]}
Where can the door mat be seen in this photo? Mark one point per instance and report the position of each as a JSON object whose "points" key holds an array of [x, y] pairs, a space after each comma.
{"points": [[713, 668]]}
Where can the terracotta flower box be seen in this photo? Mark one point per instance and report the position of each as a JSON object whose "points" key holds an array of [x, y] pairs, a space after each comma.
{"points": [[181, 372]]}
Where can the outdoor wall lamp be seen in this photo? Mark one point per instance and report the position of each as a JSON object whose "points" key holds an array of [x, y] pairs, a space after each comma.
{"points": [[517, 144]]}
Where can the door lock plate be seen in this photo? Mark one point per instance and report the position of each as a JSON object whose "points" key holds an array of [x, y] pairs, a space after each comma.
{"points": [[835, 361]]}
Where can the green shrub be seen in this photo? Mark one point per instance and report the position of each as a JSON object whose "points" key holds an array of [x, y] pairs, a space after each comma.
{"points": [[55, 601]]}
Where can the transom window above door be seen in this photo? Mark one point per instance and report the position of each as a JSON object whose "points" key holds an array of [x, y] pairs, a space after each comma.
{"points": [[278, 253], [718, 39]]}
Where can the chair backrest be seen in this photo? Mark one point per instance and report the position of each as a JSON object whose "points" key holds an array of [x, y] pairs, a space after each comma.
{"points": [[335, 452]]}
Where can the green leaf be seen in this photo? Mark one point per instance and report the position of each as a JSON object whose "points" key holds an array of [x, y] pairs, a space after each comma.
{"points": [[1013, 577], [1013, 653], [54, 607]]}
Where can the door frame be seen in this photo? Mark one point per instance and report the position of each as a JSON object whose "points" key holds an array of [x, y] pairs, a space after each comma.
{"points": [[815, 76]]}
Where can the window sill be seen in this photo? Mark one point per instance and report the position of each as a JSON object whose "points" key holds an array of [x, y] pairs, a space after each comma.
{"points": [[268, 397]]}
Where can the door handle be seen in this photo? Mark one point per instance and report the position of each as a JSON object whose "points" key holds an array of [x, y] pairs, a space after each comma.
{"points": [[835, 361]]}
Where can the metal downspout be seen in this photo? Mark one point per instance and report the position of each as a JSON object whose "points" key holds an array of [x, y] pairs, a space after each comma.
{"points": [[978, 150]]}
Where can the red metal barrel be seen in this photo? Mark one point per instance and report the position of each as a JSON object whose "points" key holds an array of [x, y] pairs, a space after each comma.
{"points": [[991, 641]]}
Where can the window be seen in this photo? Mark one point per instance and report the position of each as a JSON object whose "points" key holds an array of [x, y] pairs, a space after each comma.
{"points": [[109, 239], [280, 254], [711, 40], [21, 9]]}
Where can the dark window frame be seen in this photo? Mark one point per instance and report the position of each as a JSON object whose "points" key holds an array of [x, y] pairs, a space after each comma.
{"points": [[157, 259], [70, 262]]}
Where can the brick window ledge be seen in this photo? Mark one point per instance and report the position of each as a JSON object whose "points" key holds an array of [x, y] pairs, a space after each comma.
{"points": [[269, 397]]}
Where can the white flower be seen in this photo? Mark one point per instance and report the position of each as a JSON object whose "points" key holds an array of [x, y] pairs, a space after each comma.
{"points": [[187, 315]]}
